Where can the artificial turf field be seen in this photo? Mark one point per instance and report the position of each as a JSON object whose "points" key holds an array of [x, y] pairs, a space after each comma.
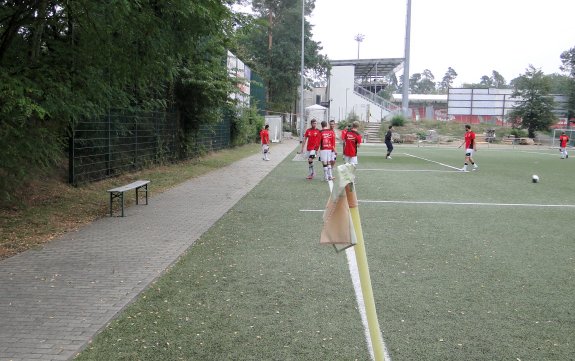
{"points": [[464, 266]]}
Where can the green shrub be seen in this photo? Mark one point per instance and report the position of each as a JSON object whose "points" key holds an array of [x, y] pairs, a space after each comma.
{"points": [[518, 132], [246, 126], [398, 120], [343, 124]]}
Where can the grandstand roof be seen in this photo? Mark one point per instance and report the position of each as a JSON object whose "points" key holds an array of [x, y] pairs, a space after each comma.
{"points": [[365, 68]]}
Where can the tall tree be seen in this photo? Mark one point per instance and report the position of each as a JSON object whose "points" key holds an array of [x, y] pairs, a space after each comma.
{"points": [[535, 110], [422, 83], [497, 80], [391, 87], [486, 82], [270, 10], [560, 84], [568, 66], [447, 79], [64, 60], [280, 65]]}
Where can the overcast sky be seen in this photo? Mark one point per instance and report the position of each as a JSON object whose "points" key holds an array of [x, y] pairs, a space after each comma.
{"points": [[474, 37]]}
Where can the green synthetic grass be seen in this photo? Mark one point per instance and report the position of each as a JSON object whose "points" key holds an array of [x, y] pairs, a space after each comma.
{"points": [[472, 282], [450, 281]]}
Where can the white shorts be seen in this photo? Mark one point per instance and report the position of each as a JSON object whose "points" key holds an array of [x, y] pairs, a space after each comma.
{"points": [[325, 155], [469, 152], [333, 155], [265, 148], [352, 160], [310, 154]]}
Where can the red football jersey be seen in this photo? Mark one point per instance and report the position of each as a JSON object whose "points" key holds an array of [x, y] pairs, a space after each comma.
{"points": [[563, 139], [265, 136], [351, 142], [469, 140], [327, 139], [313, 139]]}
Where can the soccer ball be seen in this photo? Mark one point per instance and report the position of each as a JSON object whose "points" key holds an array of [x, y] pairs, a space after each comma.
{"points": [[535, 178]]}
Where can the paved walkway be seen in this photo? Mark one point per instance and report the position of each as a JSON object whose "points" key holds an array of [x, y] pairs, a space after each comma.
{"points": [[55, 299]]}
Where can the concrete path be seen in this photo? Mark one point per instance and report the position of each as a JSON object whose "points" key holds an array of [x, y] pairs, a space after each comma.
{"points": [[55, 299]]}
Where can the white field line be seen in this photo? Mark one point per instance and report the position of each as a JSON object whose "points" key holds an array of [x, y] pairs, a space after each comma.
{"points": [[372, 153], [553, 154], [404, 170], [474, 204], [432, 161], [354, 273]]}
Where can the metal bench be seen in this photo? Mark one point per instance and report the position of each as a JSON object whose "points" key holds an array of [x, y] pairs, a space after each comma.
{"points": [[118, 192]]}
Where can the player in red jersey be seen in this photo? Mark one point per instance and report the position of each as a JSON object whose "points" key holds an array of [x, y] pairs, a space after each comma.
{"points": [[343, 134], [470, 148], [312, 139], [334, 153], [351, 141], [265, 138], [327, 147], [563, 141]]}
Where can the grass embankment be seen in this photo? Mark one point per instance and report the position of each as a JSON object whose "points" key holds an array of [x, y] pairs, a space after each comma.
{"points": [[50, 207], [452, 130]]}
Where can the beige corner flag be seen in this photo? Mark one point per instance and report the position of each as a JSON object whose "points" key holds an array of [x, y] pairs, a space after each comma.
{"points": [[337, 223]]}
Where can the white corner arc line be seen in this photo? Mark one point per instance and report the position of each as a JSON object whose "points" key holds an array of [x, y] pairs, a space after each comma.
{"points": [[432, 161], [473, 204]]}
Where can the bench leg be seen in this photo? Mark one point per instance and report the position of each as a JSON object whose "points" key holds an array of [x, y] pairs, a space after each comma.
{"points": [[114, 195], [145, 190]]}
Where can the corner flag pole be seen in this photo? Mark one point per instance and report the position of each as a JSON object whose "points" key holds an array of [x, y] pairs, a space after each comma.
{"points": [[364, 278]]}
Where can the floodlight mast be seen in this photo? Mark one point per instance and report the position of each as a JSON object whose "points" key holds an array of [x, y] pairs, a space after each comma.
{"points": [[405, 94], [302, 107], [359, 38]]}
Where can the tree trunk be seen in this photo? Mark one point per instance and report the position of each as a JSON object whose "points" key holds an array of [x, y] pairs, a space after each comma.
{"points": [[270, 38], [39, 25]]}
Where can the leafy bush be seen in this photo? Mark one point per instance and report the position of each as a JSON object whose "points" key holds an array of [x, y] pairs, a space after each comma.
{"points": [[398, 120], [343, 124], [246, 126], [31, 140], [518, 132], [352, 117]]}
